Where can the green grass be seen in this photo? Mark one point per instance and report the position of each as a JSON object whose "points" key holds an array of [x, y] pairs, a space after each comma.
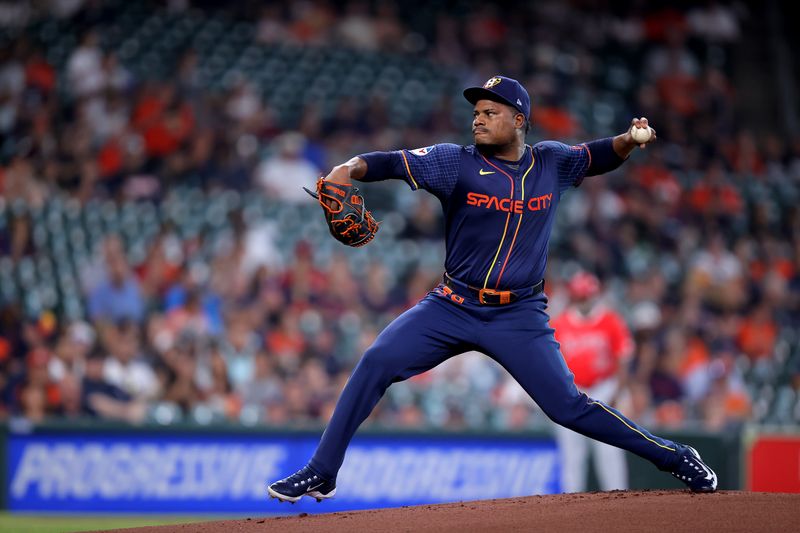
{"points": [[59, 523]]}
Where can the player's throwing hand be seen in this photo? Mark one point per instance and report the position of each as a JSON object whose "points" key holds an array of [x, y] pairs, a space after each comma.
{"points": [[641, 133]]}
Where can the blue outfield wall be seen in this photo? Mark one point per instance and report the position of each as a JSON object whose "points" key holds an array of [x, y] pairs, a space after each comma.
{"points": [[226, 472]]}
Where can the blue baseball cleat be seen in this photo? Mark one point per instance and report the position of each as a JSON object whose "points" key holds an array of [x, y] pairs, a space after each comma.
{"points": [[305, 482], [697, 475]]}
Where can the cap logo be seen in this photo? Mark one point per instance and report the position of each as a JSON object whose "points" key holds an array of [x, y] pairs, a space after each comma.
{"points": [[491, 82], [519, 102]]}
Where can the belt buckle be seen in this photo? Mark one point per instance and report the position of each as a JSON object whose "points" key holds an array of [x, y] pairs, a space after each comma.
{"points": [[504, 296]]}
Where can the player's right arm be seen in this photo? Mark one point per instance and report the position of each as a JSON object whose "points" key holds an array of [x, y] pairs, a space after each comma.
{"points": [[434, 168], [573, 163]]}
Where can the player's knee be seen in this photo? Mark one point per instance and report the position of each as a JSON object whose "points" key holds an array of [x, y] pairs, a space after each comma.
{"points": [[369, 361], [386, 364], [562, 418], [566, 412], [374, 363]]}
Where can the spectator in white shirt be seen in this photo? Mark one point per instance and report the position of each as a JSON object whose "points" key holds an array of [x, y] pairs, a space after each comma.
{"points": [[283, 175], [85, 67], [125, 367]]}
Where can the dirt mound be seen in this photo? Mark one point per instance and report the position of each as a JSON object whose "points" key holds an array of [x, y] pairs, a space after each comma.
{"points": [[619, 511]]}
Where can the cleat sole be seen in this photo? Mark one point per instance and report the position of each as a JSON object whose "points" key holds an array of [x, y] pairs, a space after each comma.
{"points": [[280, 497]]}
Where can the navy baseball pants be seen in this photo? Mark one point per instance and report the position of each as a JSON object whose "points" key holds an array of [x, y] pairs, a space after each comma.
{"points": [[517, 336]]}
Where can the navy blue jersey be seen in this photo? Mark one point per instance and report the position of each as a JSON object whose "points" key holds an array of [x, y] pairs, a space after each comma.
{"points": [[498, 214]]}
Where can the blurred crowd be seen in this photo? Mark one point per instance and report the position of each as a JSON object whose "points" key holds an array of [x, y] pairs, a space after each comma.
{"points": [[697, 240]]}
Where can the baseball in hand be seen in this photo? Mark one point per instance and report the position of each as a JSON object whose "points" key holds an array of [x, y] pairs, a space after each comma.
{"points": [[641, 135]]}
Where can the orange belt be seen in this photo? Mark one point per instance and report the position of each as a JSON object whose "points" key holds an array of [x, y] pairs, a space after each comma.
{"points": [[492, 296]]}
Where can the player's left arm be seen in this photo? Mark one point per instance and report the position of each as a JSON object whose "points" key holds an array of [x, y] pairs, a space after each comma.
{"points": [[433, 168]]}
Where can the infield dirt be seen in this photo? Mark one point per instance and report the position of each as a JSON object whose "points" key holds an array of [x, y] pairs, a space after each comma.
{"points": [[616, 511]]}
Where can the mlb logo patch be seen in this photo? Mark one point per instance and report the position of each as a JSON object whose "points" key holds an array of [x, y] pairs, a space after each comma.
{"points": [[422, 151]]}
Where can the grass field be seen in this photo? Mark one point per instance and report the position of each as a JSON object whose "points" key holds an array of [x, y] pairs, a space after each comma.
{"points": [[57, 523]]}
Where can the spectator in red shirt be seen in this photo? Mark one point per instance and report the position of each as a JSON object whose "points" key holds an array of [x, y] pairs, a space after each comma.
{"points": [[40, 74], [714, 197], [596, 345], [758, 333]]}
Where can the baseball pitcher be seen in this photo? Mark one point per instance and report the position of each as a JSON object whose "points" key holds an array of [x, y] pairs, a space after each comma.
{"points": [[499, 197]]}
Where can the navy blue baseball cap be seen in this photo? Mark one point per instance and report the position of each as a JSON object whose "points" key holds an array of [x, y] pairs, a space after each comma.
{"points": [[504, 90]]}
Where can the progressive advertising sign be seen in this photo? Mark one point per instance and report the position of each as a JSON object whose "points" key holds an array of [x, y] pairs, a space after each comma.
{"points": [[187, 473]]}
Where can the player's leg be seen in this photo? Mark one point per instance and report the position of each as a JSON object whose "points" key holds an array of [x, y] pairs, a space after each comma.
{"points": [[419, 339], [521, 340], [574, 449], [535, 361]]}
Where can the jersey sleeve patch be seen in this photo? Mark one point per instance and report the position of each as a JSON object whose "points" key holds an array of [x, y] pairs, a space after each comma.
{"points": [[422, 151], [433, 168]]}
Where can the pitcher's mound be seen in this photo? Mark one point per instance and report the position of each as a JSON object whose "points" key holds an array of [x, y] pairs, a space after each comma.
{"points": [[617, 511]]}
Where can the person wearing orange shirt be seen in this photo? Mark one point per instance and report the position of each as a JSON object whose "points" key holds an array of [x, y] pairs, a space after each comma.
{"points": [[596, 345]]}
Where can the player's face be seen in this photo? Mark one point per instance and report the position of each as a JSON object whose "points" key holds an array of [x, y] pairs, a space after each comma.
{"points": [[494, 123]]}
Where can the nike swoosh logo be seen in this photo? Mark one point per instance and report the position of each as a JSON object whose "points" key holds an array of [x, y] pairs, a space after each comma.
{"points": [[484, 173], [309, 489]]}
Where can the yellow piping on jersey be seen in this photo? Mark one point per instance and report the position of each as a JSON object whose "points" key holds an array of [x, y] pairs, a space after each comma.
{"points": [[630, 427], [508, 217], [519, 223], [486, 281], [408, 169]]}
